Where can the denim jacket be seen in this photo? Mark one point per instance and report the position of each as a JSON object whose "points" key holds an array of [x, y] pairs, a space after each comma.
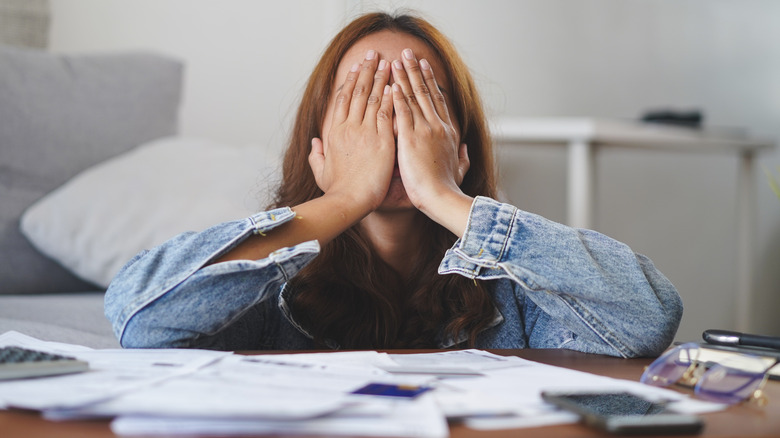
{"points": [[553, 287]]}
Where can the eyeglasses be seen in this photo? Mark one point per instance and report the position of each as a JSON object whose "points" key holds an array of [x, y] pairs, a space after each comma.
{"points": [[740, 377]]}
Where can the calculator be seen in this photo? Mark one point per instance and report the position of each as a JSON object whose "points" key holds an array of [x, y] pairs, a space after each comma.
{"points": [[20, 363]]}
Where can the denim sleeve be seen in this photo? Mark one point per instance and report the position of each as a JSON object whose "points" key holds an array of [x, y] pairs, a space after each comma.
{"points": [[171, 296], [612, 300]]}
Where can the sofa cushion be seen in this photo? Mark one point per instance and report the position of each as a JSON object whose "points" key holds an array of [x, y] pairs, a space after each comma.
{"points": [[100, 219], [60, 114], [75, 318]]}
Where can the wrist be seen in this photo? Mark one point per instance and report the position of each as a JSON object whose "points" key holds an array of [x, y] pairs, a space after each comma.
{"points": [[449, 209], [350, 205]]}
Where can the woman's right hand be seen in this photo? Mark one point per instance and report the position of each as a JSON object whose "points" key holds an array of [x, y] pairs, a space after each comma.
{"points": [[358, 155], [353, 166]]}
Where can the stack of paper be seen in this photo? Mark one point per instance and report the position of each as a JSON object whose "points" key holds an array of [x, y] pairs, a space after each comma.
{"points": [[191, 392]]}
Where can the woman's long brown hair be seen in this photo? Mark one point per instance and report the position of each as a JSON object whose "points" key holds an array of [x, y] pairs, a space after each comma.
{"points": [[348, 295]]}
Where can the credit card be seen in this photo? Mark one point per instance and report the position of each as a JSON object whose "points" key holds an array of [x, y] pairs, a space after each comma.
{"points": [[388, 390]]}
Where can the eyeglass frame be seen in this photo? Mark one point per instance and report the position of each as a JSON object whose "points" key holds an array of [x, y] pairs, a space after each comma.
{"points": [[697, 372]]}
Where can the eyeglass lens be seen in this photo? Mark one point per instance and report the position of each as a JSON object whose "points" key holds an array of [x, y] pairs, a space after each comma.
{"points": [[728, 382], [734, 380], [669, 368]]}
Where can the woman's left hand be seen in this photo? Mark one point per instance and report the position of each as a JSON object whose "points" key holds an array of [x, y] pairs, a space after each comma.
{"points": [[431, 158]]}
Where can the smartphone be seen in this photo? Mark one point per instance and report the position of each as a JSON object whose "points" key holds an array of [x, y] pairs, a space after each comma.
{"points": [[625, 413]]}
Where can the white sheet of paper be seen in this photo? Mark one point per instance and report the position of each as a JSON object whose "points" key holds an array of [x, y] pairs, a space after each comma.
{"points": [[418, 418], [260, 387], [111, 374], [453, 362], [250, 387], [14, 338]]}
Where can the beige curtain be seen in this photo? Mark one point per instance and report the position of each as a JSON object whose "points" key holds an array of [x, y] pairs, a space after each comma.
{"points": [[24, 23]]}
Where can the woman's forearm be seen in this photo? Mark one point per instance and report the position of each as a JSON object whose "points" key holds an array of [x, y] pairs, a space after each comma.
{"points": [[157, 299], [321, 219]]}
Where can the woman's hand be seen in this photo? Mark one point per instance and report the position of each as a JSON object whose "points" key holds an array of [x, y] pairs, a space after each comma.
{"points": [[358, 156], [431, 158], [354, 166]]}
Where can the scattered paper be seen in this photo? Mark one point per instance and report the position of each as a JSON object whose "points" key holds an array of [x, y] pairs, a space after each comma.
{"points": [[112, 372], [197, 392], [420, 418]]}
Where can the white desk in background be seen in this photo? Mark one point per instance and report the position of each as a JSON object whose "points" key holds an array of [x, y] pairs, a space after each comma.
{"points": [[582, 135]]}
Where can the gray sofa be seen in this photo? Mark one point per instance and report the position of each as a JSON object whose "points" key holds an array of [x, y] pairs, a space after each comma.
{"points": [[60, 115]]}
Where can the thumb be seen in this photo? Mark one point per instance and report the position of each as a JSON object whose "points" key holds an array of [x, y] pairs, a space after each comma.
{"points": [[463, 162], [316, 156]]}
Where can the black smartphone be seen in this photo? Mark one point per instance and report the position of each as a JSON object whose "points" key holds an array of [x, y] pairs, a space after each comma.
{"points": [[625, 413]]}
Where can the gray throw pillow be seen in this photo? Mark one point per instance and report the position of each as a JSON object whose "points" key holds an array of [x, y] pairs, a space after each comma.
{"points": [[60, 114]]}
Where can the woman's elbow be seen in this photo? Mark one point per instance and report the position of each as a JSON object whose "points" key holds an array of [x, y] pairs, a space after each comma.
{"points": [[137, 334], [662, 315], [659, 325]]}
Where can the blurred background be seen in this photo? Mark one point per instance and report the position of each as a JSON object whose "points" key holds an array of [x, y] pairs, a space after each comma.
{"points": [[247, 60]]}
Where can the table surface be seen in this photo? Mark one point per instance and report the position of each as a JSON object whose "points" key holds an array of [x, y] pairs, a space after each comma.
{"points": [[625, 133], [741, 420]]}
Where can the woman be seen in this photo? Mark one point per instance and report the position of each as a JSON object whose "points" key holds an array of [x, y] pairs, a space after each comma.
{"points": [[385, 234]]}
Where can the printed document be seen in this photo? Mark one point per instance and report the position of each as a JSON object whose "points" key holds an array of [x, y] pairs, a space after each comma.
{"points": [[198, 392]]}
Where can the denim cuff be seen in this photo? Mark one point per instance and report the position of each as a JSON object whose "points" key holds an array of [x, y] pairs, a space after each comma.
{"points": [[268, 220], [483, 245]]}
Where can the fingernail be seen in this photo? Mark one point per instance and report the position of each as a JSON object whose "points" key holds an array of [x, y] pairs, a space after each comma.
{"points": [[355, 67], [424, 64], [397, 88], [397, 64], [408, 54], [370, 54], [387, 89], [382, 65]]}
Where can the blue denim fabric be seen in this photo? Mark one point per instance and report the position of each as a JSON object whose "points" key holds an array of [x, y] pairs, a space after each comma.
{"points": [[554, 287]]}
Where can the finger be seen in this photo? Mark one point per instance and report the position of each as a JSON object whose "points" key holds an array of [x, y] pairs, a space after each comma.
{"points": [[363, 87], [418, 85], [402, 79], [403, 112], [384, 116], [439, 102], [374, 102], [344, 95]]}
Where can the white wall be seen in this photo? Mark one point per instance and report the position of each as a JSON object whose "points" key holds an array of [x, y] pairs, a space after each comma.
{"points": [[247, 60]]}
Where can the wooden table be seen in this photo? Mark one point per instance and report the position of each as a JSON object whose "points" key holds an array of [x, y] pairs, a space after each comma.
{"points": [[741, 420]]}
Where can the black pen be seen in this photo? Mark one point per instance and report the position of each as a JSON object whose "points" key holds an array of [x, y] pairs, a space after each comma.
{"points": [[725, 337]]}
